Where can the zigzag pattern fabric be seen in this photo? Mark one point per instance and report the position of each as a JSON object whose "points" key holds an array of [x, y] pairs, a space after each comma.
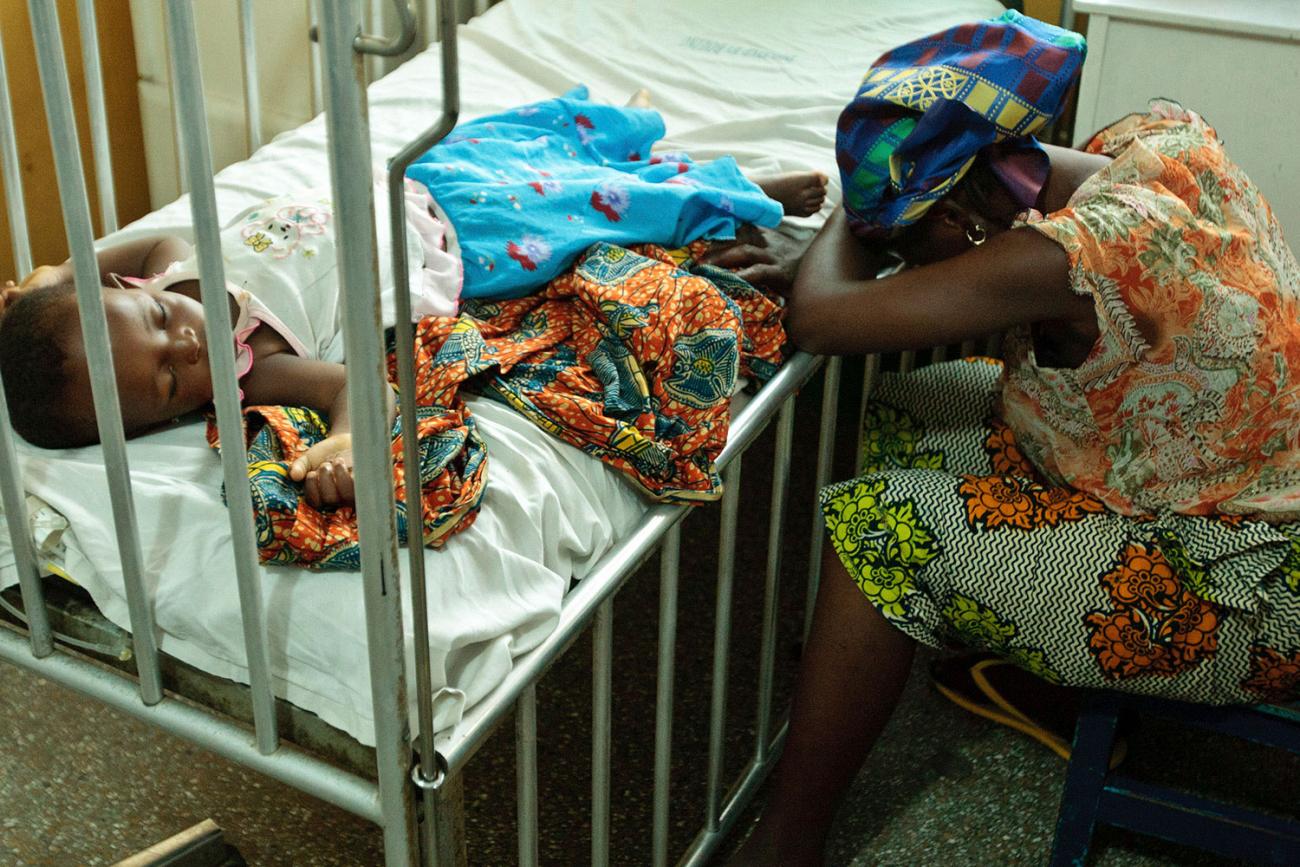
{"points": [[925, 110], [952, 535]]}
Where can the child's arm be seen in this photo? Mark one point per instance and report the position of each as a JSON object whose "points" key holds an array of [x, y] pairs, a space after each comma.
{"points": [[142, 257], [281, 377]]}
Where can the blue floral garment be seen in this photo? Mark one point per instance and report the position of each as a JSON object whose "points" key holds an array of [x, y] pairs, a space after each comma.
{"points": [[530, 189]]}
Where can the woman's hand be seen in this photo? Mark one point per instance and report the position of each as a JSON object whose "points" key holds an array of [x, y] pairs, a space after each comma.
{"points": [[763, 258], [326, 471]]}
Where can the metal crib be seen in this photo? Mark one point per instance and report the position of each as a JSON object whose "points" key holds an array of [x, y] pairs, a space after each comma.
{"points": [[416, 796]]}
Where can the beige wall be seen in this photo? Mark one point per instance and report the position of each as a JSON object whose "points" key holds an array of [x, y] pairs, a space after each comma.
{"points": [[45, 224]]}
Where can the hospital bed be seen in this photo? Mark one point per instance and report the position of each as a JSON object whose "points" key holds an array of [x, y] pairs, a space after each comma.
{"points": [[394, 677]]}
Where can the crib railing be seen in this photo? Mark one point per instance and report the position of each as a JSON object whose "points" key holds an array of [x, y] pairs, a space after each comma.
{"points": [[411, 782]]}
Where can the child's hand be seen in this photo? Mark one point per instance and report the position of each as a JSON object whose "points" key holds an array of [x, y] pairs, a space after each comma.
{"points": [[44, 276], [326, 470]]}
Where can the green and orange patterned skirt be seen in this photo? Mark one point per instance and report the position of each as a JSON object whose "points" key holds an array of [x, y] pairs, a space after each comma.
{"points": [[956, 540]]}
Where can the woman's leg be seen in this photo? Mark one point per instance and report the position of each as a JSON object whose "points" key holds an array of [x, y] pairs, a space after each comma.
{"points": [[855, 664]]}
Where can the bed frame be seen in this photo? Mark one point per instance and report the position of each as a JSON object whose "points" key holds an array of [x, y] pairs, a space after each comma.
{"points": [[411, 789]]}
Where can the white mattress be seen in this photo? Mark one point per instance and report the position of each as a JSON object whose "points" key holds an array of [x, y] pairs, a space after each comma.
{"points": [[765, 85]]}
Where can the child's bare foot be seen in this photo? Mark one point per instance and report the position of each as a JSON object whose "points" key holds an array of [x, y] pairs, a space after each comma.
{"points": [[800, 193], [640, 99]]}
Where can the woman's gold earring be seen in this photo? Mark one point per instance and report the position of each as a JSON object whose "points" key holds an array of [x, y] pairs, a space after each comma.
{"points": [[976, 235]]}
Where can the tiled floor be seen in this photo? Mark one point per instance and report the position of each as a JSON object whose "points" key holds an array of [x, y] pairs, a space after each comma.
{"points": [[84, 785]]}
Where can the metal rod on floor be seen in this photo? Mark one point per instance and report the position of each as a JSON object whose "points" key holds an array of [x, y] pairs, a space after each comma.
{"points": [[94, 330], [252, 86], [93, 72], [348, 137], [776, 543], [670, 553], [825, 459], [602, 694], [526, 775], [221, 357], [722, 641], [13, 179]]}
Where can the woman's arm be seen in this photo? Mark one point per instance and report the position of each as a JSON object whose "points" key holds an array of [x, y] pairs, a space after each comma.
{"points": [[838, 308]]}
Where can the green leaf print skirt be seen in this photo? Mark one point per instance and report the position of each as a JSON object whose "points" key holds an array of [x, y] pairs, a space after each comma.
{"points": [[954, 537]]}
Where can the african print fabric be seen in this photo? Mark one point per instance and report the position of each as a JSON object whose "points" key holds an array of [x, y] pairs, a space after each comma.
{"points": [[453, 472], [529, 189], [1190, 398], [633, 356], [925, 110], [952, 535]]}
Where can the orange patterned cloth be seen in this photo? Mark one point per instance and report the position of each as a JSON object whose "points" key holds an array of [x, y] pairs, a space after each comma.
{"points": [[1190, 400], [632, 355]]}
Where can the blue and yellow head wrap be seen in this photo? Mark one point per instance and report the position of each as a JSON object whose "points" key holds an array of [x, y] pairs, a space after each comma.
{"points": [[927, 108]]}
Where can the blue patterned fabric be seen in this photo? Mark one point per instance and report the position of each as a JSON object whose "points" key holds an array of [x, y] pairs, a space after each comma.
{"points": [[927, 108], [529, 189]]}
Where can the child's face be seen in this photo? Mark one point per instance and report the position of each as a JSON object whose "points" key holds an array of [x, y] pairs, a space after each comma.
{"points": [[159, 353]]}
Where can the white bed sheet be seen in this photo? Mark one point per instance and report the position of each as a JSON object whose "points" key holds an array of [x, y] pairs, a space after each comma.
{"points": [[765, 84]]}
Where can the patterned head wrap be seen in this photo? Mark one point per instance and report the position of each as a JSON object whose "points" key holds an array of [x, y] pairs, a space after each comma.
{"points": [[927, 108]]}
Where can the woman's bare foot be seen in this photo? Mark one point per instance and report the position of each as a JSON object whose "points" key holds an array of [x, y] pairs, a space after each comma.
{"points": [[640, 99], [800, 193]]}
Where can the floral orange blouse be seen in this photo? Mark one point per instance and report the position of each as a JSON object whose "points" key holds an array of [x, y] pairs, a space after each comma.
{"points": [[1190, 399]]}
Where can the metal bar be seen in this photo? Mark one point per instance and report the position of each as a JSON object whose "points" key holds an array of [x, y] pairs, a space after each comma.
{"points": [[602, 694], [526, 775], [201, 727], [669, 559], [313, 49], [13, 180], [775, 545], [376, 45], [20, 536], [614, 568], [221, 359], [708, 841], [967, 348], [870, 373], [907, 361], [405, 349], [825, 458], [93, 73], [11, 483], [349, 150], [722, 641], [938, 354], [252, 84], [94, 330]]}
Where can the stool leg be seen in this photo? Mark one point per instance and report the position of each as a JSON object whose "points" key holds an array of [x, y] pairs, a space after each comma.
{"points": [[1094, 737]]}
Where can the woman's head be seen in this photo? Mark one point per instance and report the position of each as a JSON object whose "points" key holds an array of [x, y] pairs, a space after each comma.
{"points": [[930, 113], [159, 356]]}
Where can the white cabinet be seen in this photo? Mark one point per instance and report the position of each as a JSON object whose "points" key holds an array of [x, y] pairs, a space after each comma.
{"points": [[1235, 62]]}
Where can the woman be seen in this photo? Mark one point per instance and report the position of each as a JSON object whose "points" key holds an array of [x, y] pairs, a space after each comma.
{"points": [[1111, 510]]}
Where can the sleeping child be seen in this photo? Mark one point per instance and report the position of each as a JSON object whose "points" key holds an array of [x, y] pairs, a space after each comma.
{"points": [[282, 289]]}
